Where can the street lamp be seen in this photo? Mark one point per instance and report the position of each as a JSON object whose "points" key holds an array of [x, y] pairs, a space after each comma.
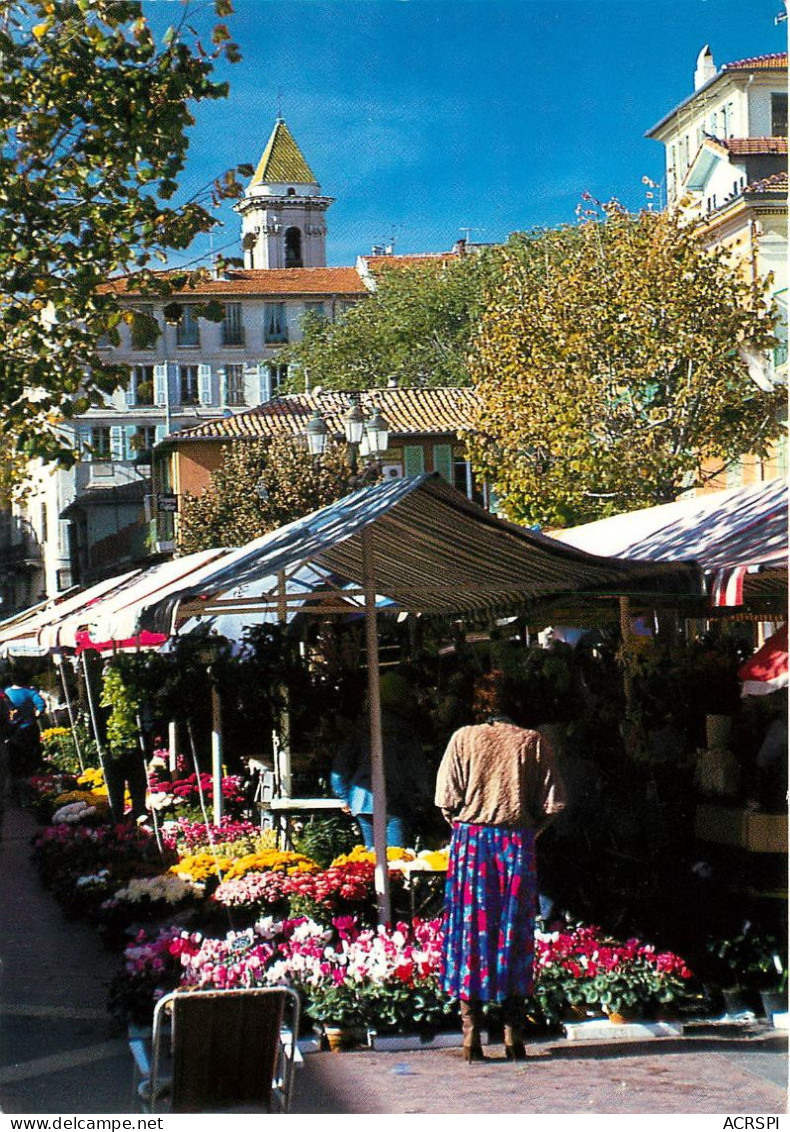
{"points": [[316, 433], [377, 433]]}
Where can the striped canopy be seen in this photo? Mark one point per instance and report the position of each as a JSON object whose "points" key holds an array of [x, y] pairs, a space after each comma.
{"points": [[434, 551]]}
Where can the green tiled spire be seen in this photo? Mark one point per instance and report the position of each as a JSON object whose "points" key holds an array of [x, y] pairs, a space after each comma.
{"points": [[282, 160]]}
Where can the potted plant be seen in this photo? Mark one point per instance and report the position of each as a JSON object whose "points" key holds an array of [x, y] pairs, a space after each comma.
{"points": [[337, 1006], [747, 965]]}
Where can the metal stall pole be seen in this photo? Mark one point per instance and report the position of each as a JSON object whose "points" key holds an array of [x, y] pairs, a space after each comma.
{"points": [[172, 744], [57, 660], [216, 751], [378, 778], [95, 723]]}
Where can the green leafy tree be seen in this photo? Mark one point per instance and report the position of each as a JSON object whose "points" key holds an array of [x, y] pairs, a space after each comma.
{"points": [[415, 327], [93, 138], [259, 486], [608, 371]]}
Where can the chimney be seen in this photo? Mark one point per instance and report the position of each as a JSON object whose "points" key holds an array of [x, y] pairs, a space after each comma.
{"points": [[706, 68]]}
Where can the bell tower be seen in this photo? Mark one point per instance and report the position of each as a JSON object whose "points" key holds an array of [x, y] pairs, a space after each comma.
{"points": [[283, 221]]}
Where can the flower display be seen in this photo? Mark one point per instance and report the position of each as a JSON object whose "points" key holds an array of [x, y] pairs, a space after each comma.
{"points": [[274, 860], [202, 866], [188, 791], [583, 967], [162, 888], [74, 812], [188, 836]]}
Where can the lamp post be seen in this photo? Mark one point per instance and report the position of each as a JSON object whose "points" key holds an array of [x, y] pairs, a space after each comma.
{"points": [[366, 436]]}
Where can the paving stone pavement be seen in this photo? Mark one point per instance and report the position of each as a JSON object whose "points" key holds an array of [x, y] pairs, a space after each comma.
{"points": [[60, 1052]]}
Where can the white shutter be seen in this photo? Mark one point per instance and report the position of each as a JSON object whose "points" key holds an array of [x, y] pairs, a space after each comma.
{"points": [[117, 446], [264, 383], [204, 384], [222, 383], [129, 394], [160, 385]]}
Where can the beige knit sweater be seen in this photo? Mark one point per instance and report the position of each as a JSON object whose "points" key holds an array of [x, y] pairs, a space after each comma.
{"points": [[499, 774]]}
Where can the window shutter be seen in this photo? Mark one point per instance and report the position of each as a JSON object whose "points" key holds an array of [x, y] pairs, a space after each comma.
{"points": [[222, 383], [130, 395], [204, 384], [443, 461], [160, 432], [413, 460], [130, 431], [160, 385], [264, 383], [117, 446]]}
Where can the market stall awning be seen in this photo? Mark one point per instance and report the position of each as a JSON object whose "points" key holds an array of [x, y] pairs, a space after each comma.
{"points": [[766, 671], [68, 623], [729, 533], [435, 552]]}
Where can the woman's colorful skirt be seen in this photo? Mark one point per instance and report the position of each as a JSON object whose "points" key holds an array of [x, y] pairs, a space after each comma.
{"points": [[489, 919]]}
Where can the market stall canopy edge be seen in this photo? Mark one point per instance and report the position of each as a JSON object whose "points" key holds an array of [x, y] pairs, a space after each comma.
{"points": [[435, 552]]}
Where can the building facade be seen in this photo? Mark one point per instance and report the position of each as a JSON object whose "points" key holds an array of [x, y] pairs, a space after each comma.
{"points": [[726, 168], [206, 352], [423, 436]]}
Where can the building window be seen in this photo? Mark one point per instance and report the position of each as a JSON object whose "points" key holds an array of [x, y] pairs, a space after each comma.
{"points": [[293, 248], [187, 331], [189, 388], [234, 376], [144, 330], [275, 328], [101, 444], [141, 385], [278, 375], [145, 437], [778, 115], [714, 123], [232, 328]]}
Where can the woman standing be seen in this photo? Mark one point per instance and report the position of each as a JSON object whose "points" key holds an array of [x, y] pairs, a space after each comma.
{"points": [[499, 787]]}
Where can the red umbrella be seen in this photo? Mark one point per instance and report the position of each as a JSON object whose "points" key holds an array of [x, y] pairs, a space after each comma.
{"points": [[766, 671]]}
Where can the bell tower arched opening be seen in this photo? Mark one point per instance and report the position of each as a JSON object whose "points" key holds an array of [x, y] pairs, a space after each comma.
{"points": [[293, 248]]}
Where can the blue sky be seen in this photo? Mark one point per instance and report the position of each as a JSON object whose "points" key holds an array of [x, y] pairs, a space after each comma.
{"points": [[425, 117]]}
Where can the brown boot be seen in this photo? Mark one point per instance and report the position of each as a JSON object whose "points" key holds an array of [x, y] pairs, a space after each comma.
{"points": [[471, 1018], [513, 1014]]}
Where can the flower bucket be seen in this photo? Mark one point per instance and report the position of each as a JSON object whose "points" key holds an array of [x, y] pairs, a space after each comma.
{"points": [[774, 1002]]}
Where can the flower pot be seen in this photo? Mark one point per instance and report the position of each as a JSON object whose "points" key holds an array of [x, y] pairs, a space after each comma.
{"points": [[343, 1037], [718, 729], [617, 1018]]}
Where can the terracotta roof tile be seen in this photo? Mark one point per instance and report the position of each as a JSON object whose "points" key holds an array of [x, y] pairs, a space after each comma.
{"points": [[409, 412], [774, 184], [377, 262], [275, 281], [743, 146], [773, 62]]}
